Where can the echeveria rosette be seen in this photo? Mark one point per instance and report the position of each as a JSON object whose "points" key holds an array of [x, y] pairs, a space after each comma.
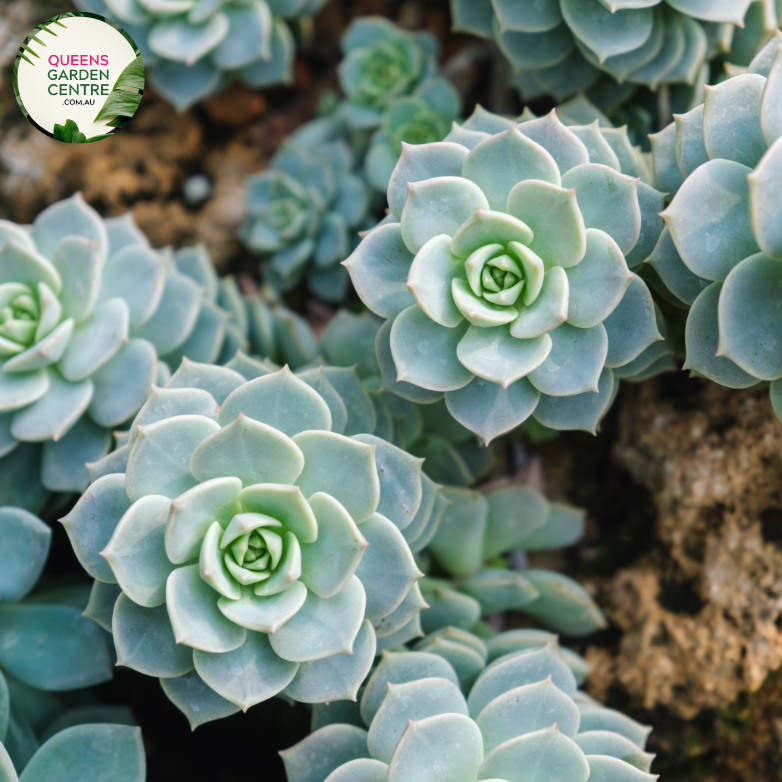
{"points": [[304, 212], [523, 718], [505, 280], [561, 47], [472, 542], [91, 317], [382, 62], [47, 646], [421, 118], [193, 49], [721, 248], [246, 535]]}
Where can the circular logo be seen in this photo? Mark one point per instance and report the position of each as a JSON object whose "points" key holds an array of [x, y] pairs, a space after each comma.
{"points": [[78, 78]]}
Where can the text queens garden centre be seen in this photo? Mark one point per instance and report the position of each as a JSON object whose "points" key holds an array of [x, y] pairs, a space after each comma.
{"points": [[83, 81]]}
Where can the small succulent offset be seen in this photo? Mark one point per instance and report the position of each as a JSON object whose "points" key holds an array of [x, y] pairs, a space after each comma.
{"points": [[193, 48], [305, 210], [46, 646], [391, 79], [425, 716], [721, 248], [86, 309], [256, 551], [560, 47], [502, 272], [476, 531]]}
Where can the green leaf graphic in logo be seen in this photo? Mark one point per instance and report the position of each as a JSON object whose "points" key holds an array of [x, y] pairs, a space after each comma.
{"points": [[125, 95], [70, 134], [32, 37]]}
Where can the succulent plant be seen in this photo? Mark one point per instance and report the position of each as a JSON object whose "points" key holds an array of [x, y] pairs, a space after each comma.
{"points": [[47, 646], [391, 81], [561, 47], [88, 308], [720, 250], [192, 49], [239, 533], [96, 751], [382, 63], [464, 710], [305, 210], [502, 272], [476, 533]]}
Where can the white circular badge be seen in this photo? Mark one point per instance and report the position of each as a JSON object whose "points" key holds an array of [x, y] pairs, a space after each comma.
{"points": [[78, 77]]}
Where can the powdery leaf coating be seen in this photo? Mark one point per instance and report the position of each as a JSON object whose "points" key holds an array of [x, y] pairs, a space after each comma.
{"points": [[88, 312], [524, 716], [238, 541], [722, 227], [497, 266]]}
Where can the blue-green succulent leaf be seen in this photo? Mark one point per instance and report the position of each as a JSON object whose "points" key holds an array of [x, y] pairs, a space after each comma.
{"points": [[69, 217], [196, 700], [490, 410], [701, 338], [159, 458], [747, 312], [338, 677], [248, 675], [329, 563], [219, 382], [248, 450], [387, 569], [399, 474], [731, 120], [608, 201], [92, 522], [352, 478], [24, 547], [521, 668], [144, 640], [442, 748], [553, 755], [607, 34], [195, 617], [315, 757], [136, 551], [709, 219], [564, 605], [764, 200], [280, 400], [527, 709], [322, 627], [458, 542], [100, 752], [500, 162], [603, 768], [410, 701], [574, 364], [56, 648], [398, 668], [440, 205]]}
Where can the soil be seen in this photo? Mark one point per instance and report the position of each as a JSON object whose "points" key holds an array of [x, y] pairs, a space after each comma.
{"points": [[682, 553], [683, 549]]}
